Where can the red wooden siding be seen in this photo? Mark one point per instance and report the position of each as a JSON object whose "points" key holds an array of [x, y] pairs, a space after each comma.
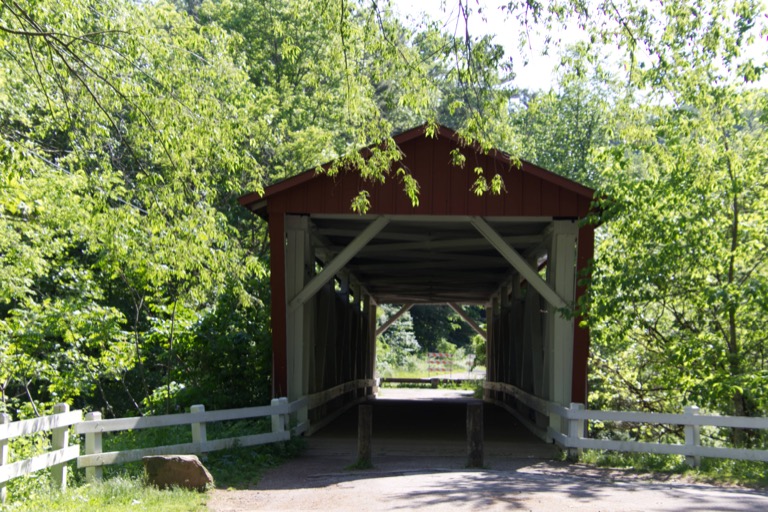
{"points": [[444, 189]]}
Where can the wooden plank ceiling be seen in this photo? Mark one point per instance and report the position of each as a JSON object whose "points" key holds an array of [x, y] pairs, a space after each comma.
{"points": [[428, 260]]}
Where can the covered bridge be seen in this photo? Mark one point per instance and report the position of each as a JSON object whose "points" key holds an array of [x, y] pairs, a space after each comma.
{"points": [[517, 253]]}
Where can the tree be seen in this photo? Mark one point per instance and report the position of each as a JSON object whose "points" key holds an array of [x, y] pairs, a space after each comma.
{"points": [[679, 287], [561, 129], [123, 149]]}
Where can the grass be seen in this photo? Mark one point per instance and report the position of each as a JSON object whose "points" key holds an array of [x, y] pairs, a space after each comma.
{"points": [[113, 495], [714, 471]]}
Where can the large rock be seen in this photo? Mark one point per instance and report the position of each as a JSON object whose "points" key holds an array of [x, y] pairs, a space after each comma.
{"points": [[185, 471]]}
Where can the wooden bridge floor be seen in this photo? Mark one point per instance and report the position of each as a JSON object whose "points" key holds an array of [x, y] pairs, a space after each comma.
{"points": [[431, 423]]}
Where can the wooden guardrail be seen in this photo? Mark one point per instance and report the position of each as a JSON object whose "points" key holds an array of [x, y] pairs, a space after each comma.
{"points": [[323, 397], [58, 424], [432, 381], [691, 421]]}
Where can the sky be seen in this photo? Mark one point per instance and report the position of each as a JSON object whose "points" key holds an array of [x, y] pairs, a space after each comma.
{"points": [[532, 69], [540, 71]]}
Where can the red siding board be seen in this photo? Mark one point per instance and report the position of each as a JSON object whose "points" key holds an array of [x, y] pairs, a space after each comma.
{"points": [[549, 199], [441, 183], [459, 188], [585, 254], [531, 195], [513, 183], [568, 203], [584, 205], [387, 202], [495, 201]]}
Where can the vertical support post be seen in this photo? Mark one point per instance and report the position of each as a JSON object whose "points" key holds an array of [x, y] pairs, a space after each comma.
{"points": [[364, 435], [279, 304], [199, 435], [575, 431], [59, 440], [299, 264], [561, 276], [475, 452], [372, 344], [487, 394], [93, 445], [692, 436], [5, 455]]}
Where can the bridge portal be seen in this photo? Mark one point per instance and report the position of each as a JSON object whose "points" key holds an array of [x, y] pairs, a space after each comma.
{"points": [[517, 253]]}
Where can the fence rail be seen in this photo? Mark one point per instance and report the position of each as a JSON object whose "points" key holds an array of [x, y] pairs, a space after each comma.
{"points": [[577, 419]]}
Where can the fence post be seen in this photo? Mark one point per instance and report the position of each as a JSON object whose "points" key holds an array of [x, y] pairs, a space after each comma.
{"points": [[5, 454], [278, 420], [92, 446], [199, 435], [692, 436], [59, 440], [575, 431]]}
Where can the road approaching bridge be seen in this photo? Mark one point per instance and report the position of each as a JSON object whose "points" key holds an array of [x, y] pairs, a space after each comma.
{"points": [[419, 457]]}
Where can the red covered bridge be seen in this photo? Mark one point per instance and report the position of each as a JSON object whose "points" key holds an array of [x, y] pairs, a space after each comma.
{"points": [[517, 254]]}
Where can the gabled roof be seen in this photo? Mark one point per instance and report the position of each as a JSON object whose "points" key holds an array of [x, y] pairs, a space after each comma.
{"points": [[444, 188]]}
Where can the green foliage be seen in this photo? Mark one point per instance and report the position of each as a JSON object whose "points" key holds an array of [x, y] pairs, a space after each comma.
{"points": [[118, 227], [644, 462], [685, 267], [714, 471], [396, 348], [561, 129], [434, 323], [243, 467], [479, 351]]}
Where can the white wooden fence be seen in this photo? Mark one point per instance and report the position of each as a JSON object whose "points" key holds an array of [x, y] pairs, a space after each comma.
{"points": [[93, 427], [58, 424], [577, 420]]}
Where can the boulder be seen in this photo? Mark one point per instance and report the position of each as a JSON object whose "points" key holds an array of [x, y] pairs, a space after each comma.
{"points": [[186, 471]]}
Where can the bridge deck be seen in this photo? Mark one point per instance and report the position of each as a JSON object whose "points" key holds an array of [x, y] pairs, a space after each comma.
{"points": [[413, 423]]}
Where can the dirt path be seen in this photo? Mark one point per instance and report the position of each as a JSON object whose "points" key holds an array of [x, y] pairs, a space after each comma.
{"points": [[419, 458]]}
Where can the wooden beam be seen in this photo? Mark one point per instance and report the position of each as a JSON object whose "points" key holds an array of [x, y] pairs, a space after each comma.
{"points": [[403, 310], [351, 233], [464, 316], [338, 262], [464, 244], [517, 261]]}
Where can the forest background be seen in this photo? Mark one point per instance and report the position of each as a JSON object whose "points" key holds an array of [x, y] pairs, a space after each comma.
{"points": [[131, 281]]}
